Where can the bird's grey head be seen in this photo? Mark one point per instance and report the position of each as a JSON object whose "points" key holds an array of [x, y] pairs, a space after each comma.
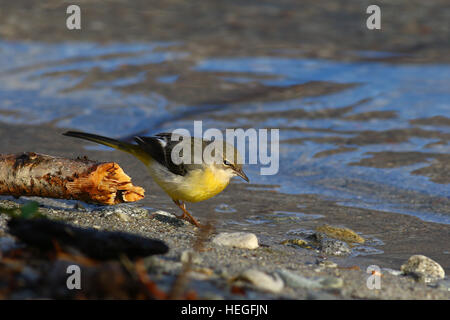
{"points": [[231, 161]]}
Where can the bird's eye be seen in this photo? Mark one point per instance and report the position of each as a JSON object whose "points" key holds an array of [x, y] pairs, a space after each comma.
{"points": [[225, 162]]}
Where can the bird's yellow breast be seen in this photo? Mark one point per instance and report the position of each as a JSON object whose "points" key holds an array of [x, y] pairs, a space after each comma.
{"points": [[204, 184], [197, 185]]}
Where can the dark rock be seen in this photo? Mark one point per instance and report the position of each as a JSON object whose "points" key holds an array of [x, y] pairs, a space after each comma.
{"points": [[102, 245]]}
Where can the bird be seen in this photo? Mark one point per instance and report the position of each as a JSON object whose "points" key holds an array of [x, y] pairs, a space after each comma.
{"points": [[185, 181]]}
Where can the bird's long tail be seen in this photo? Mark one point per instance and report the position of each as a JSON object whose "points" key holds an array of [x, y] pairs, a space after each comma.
{"points": [[135, 150]]}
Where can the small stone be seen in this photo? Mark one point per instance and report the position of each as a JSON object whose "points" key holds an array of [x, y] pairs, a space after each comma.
{"points": [[423, 268], [122, 216], [244, 240], [294, 280], [107, 211], [139, 212], [164, 213], [297, 242], [190, 256], [168, 217], [391, 271], [334, 247], [343, 234], [261, 280]]}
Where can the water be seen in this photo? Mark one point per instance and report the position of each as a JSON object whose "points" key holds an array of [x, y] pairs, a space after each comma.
{"points": [[346, 128]]}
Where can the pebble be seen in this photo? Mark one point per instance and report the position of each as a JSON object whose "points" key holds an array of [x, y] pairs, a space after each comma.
{"points": [[294, 280], [168, 217], [334, 247], [391, 271], [122, 216], [261, 280], [330, 246], [164, 213], [297, 242], [343, 234], [423, 268], [244, 240]]}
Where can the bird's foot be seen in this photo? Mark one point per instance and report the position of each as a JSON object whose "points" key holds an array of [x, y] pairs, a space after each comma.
{"points": [[186, 215]]}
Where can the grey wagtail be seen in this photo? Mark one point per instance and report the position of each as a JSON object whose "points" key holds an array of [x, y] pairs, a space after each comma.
{"points": [[184, 182]]}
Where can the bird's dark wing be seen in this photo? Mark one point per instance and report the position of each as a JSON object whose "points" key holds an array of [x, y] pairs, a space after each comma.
{"points": [[160, 148]]}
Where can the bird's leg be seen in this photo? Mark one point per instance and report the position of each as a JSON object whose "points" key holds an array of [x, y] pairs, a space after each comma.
{"points": [[186, 215], [183, 216], [185, 212]]}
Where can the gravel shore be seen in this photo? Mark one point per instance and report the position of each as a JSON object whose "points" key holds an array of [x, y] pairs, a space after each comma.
{"points": [[267, 272]]}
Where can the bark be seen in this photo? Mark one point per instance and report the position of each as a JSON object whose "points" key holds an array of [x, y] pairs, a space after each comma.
{"points": [[32, 174]]}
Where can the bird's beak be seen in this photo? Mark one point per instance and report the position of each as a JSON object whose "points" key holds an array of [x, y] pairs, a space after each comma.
{"points": [[241, 174]]}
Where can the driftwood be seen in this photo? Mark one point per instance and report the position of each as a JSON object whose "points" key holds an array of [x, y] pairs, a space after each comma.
{"points": [[32, 174], [44, 234]]}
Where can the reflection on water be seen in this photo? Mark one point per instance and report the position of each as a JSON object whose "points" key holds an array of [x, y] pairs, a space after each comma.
{"points": [[367, 134], [224, 208], [290, 215]]}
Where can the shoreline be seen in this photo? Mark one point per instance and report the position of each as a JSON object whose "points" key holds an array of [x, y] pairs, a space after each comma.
{"points": [[216, 270], [222, 263]]}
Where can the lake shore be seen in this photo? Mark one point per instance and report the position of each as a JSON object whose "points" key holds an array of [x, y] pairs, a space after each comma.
{"points": [[213, 276], [218, 272], [363, 120]]}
